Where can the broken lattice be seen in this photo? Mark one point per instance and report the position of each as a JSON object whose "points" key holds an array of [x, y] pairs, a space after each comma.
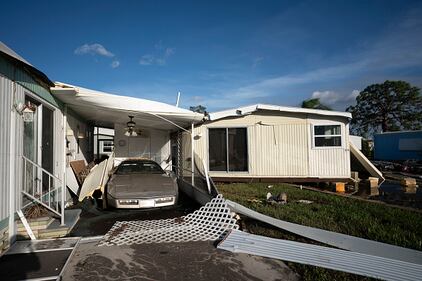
{"points": [[210, 222]]}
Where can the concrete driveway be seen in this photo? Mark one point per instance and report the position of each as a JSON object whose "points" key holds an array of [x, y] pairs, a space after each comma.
{"points": [[170, 261]]}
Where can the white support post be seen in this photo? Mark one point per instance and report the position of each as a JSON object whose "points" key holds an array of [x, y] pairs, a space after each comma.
{"points": [[63, 199], [12, 176], [192, 156], [206, 176]]}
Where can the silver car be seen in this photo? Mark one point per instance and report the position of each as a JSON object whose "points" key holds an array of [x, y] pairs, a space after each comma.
{"points": [[141, 184]]}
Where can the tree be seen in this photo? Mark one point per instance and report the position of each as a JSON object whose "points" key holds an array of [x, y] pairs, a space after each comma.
{"points": [[390, 106], [198, 108], [314, 104]]}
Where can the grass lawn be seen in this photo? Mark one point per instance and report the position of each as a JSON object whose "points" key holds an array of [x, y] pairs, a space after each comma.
{"points": [[335, 213]]}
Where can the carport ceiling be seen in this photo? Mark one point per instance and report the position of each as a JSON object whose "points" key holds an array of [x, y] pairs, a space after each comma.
{"points": [[106, 110]]}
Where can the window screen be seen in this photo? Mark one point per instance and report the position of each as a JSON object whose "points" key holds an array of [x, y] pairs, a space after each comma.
{"points": [[228, 150], [327, 135]]}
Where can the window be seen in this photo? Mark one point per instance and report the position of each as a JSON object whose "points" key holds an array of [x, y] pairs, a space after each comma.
{"points": [[108, 146], [228, 150], [327, 136], [139, 167]]}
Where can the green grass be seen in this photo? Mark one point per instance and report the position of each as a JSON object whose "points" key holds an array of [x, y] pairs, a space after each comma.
{"points": [[335, 213]]}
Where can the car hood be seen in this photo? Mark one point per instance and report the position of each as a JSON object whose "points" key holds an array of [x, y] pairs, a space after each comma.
{"points": [[142, 186]]}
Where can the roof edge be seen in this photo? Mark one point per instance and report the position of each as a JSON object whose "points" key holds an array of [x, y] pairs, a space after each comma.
{"points": [[244, 110]]}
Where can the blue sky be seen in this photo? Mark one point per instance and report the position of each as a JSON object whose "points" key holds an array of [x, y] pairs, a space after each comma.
{"points": [[220, 54]]}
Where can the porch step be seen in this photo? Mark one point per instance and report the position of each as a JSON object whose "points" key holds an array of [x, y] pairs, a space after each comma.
{"points": [[35, 224], [54, 228]]}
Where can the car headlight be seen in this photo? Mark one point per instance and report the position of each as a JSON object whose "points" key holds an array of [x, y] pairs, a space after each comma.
{"points": [[128, 202], [164, 200]]}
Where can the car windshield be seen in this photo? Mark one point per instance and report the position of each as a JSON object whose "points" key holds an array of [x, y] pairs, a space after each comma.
{"points": [[139, 167]]}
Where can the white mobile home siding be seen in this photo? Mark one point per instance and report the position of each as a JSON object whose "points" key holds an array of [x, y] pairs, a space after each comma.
{"points": [[280, 145], [12, 93]]}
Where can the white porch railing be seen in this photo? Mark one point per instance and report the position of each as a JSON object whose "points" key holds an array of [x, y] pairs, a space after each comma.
{"points": [[42, 187]]}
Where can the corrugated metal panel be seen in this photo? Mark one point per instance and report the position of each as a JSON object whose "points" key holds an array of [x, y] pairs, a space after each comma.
{"points": [[6, 90], [339, 240], [7, 99], [19, 97], [23, 78], [352, 262], [332, 162]]}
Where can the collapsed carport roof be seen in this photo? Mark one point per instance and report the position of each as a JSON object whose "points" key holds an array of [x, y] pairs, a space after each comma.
{"points": [[105, 110]]}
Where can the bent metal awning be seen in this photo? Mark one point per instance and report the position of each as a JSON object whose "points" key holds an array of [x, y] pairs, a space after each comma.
{"points": [[105, 110]]}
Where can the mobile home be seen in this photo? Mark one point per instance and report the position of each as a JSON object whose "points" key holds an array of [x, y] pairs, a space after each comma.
{"points": [[273, 143]]}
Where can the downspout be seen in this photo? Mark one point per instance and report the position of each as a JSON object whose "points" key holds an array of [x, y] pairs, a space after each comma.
{"points": [[192, 157], [64, 164]]}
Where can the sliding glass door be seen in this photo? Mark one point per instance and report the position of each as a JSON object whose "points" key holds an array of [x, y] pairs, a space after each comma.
{"points": [[228, 149]]}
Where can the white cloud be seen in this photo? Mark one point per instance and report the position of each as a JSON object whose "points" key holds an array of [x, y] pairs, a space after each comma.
{"points": [[93, 49], [115, 64], [159, 59], [335, 99], [169, 52], [147, 60], [257, 61]]}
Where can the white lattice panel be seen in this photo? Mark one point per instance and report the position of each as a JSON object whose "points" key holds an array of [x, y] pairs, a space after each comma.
{"points": [[210, 222]]}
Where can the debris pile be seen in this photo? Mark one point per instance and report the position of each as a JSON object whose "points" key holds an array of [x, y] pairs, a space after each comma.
{"points": [[281, 198]]}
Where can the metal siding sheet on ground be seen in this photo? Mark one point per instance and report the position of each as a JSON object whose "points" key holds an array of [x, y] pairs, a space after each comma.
{"points": [[338, 240], [32, 246], [351, 262]]}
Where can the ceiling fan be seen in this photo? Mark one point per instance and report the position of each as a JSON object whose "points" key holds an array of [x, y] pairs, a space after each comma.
{"points": [[130, 128]]}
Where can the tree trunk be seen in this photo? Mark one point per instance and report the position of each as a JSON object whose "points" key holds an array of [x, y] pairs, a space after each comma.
{"points": [[384, 126]]}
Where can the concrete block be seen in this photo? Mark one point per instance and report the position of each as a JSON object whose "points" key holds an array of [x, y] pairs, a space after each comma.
{"points": [[373, 182], [408, 182], [410, 189], [340, 187]]}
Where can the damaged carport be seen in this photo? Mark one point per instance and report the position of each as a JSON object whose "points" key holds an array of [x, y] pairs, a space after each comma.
{"points": [[156, 135]]}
